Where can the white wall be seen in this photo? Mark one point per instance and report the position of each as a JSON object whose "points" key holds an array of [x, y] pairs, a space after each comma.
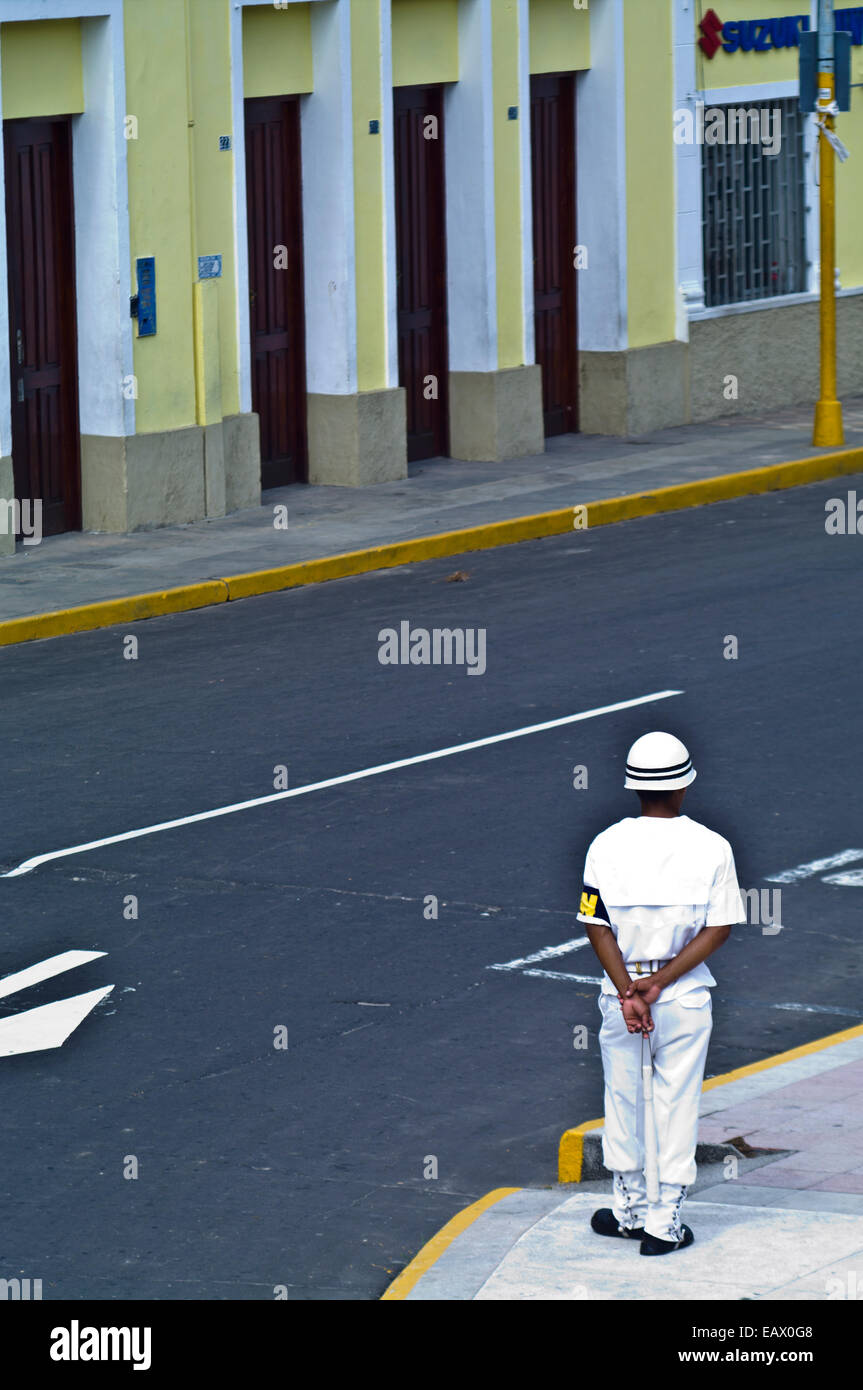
{"points": [[601, 180], [469, 159], [326, 135], [102, 252], [328, 207], [101, 223], [687, 163]]}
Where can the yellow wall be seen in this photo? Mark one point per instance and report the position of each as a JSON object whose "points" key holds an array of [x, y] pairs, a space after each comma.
{"points": [[41, 68], [650, 183], [849, 189], [368, 196], [425, 41], [507, 184], [214, 179], [559, 36], [181, 184], [742, 69], [277, 50], [160, 209]]}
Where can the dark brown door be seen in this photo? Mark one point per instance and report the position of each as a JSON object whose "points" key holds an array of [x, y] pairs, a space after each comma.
{"points": [[40, 234], [275, 221], [552, 135], [421, 267]]}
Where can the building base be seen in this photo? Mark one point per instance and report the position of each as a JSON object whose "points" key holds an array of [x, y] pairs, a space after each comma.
{"points": [[357, 440], [744, 363], [634, 392], [741, 363], [242, 445], [7, 493], [165, 479], [496, 415]]}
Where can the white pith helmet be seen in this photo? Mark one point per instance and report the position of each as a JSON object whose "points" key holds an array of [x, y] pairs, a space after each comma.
{"points": [[658, 762]]}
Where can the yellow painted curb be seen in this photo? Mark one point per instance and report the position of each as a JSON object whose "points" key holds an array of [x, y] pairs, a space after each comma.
{"points": [[569, 1164], [114, 610], [605, 512], [804, 1050], [433, 1249], [570, 1152]]}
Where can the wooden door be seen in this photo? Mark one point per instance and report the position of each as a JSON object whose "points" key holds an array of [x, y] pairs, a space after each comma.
{"points": [[277, 321], [40, 237], [421, 267], [552, 133]]}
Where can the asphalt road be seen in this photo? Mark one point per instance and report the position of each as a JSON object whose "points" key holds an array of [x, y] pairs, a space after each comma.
{"points": [[305, 1167]]}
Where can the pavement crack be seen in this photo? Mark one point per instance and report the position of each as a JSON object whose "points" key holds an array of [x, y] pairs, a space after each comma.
{"points": [[327, 1036], [77, 873]]}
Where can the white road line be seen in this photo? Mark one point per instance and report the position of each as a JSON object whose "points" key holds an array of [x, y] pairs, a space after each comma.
{"points": [[49, 1025], [852, 879], [845, 856], [817, 1009], [29, 864], [559, 975], [545, 954], [55, 965]]}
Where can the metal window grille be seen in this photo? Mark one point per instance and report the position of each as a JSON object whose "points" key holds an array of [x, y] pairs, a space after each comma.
{"points": [[754, 209]]}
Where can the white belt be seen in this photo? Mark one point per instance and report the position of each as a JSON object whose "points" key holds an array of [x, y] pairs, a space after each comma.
{"points": [[645, 967]]}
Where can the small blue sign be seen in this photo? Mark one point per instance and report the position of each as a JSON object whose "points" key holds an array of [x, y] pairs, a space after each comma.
{"points": [[146, 272], [224, 142], [209, 267]]}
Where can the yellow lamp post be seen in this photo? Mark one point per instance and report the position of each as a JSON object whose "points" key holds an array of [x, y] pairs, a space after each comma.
{"points": [[828, 410]]}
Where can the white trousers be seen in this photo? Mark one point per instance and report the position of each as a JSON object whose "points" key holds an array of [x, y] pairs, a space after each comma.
{"points": [[679, 1045]]}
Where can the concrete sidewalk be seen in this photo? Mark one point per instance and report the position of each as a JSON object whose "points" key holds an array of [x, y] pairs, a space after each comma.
{"points": [[780, 1217], [78, 569]]}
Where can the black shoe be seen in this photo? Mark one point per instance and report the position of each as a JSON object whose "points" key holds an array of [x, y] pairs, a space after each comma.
{"points": [[605, 1223], [652, 1245]]}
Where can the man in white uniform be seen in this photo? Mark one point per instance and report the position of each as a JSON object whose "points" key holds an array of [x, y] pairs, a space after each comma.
{"points": [[660, 895]]}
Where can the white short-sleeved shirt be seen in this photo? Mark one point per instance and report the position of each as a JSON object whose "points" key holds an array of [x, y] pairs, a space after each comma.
{"points": [[656, 881]]}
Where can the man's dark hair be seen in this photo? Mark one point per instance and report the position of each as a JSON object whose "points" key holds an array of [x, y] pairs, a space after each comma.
{"points": [[651, 798]]}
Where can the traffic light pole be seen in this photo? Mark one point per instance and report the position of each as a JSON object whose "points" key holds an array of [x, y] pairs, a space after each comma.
{"points": [[828, 410]]}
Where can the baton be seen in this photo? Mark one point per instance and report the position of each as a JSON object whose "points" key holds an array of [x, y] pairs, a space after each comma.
{"points": [[651, 1161]]}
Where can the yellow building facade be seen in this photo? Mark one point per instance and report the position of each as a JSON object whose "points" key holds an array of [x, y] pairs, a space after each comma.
{"points": [[250, 243]]}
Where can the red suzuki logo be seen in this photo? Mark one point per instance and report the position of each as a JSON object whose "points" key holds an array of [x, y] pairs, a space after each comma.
{"points": [[711, 28]]}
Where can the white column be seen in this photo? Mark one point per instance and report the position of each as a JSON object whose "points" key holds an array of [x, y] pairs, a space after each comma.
{"points": [[689, 248], [601, 184], [328, 207], [389, 195], [526, 178], [469, 158], [102, 241], [5, 366]]}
